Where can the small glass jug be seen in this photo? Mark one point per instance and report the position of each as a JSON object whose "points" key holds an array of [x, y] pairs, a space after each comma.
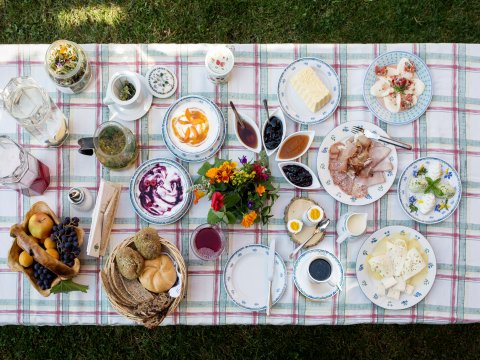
{"points": [[20, 170], [114, 145], [33, 109]]}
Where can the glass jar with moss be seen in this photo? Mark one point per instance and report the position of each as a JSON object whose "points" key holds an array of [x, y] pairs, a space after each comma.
{"points": [[68, 66], [115, 145]]}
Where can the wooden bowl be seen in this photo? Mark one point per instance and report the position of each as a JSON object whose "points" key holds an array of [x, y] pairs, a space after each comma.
{"points": [[15, 250]]}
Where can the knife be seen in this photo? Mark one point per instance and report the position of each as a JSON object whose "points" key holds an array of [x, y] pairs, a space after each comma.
{"points": [[270, 271]]}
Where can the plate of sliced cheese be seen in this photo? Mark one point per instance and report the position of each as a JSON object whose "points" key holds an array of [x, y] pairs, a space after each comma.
{"points": [[309, 90], [396, 267]]}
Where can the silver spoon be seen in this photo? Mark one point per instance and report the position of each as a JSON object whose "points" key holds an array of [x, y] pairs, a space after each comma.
{"points": [[265, 104], [237, 115], [321, 226]]}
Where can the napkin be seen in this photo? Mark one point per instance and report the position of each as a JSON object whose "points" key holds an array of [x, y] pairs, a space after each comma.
{"points": [[102, 218]]}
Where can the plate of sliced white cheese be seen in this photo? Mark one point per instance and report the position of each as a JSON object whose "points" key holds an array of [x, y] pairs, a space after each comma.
{"points": [[396, 267], [309, 90]]}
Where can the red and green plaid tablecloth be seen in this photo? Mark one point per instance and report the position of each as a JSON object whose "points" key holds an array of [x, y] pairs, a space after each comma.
{"points": [[450, 130]]}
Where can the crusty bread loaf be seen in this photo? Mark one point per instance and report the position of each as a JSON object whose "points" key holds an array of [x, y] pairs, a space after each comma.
{"points": [[159, 274]]}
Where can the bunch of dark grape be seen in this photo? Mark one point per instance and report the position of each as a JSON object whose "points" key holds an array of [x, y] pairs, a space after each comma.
{"points": [[67, 242], [43, 276]]}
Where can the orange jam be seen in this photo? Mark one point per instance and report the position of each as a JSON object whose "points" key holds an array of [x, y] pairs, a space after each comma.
{"points": [[191, 127]]}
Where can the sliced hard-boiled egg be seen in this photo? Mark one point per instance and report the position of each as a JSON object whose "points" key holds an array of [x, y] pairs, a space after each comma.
{"points": [[294, 226], [403, 68], [381, 88], [392, 102]]}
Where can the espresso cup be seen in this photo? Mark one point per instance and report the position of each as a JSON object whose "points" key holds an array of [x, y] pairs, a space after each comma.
{"points": [[320, 270], [115, 86]]}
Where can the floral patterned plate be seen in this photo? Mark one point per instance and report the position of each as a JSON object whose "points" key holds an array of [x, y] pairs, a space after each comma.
{"points": [[245, 277], [375, 105], [292, 104], [410, 201], [369, 285], [341, 132]]}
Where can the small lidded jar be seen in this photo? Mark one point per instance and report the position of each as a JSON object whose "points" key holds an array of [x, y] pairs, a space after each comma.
{"points": [[68, 66]]}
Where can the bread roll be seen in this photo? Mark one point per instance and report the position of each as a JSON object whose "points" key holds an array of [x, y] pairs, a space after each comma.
{"points": [[158, 274], [129, 262]]}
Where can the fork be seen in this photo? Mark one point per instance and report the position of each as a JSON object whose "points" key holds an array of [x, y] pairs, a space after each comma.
{"points": [[371, 135]]}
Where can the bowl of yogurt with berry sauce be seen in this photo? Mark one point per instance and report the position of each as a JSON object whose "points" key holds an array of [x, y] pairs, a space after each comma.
{"points": [[159, 191]]}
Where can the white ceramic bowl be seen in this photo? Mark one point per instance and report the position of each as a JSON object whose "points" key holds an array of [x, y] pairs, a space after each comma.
{"points": [[315, 182], [311, 135], [252, 123], [279, 114]]}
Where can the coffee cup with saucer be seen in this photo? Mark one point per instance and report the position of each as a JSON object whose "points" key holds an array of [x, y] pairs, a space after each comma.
{"points": [[133, 108], [324, 280]]}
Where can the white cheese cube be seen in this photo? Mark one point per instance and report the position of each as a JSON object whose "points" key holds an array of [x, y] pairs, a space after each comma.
{"points": [[400, 286], [311, 89], [393, 294], [409, 289], [388, 282], [380, 290]]}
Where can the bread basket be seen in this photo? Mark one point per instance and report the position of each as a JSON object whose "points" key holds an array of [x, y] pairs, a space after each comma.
{"points": [[152, 319], [39, 254]]}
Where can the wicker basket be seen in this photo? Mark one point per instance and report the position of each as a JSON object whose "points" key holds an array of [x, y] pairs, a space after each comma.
{"points": [[128, 311]]}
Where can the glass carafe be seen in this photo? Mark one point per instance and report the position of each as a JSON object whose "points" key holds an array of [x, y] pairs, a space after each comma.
{"points": [[20, 170], [28, 103]]}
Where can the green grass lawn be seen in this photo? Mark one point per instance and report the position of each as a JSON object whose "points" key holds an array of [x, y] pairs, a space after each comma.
{"points": [[241, 21]]}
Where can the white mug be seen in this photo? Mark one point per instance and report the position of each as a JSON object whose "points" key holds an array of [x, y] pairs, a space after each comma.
{"points": [[115, 85], [330, 279], [219, 63], [351, 225]]}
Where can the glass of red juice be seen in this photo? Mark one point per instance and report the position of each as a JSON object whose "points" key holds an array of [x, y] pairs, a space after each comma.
{"points": [[208, 241], [20, 170]]}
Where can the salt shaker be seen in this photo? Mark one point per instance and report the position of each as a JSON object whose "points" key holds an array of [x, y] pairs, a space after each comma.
{"points": [[80, 198]]}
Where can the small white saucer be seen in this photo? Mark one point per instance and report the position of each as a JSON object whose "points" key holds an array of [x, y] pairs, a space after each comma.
{"points": [[311, 291], [117, 112]]}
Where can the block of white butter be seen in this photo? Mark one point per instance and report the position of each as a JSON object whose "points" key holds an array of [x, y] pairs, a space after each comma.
{"points": [[311, 89]]}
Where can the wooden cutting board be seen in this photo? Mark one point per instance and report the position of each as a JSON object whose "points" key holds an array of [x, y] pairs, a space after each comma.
{"points": [[295, 210]]}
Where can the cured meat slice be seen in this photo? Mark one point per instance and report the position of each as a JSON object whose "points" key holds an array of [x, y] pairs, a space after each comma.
{"points": [[378, 153], [384, 165], [375, 179]]}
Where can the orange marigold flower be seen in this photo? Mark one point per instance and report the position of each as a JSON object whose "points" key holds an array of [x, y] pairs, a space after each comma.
{"points": [[212, 173], [198, 195], [248, 219], [260, 190]]}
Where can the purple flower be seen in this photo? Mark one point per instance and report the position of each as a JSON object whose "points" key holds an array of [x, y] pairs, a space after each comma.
{"points": [[250, 204], [243, 160]]}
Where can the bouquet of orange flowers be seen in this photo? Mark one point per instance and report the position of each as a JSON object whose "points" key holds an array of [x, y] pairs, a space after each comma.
{"points": [[238, 192]]}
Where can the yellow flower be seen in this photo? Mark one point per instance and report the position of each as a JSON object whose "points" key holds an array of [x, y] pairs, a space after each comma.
{"points": [[198, 195], [212, 173], [248, 219], [260, 190]]}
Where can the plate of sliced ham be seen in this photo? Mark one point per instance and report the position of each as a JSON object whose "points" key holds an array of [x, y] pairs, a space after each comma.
{"points": [[354, 169]]}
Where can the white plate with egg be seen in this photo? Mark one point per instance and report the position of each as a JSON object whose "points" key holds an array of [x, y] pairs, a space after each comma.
{"points": [[399, 253], [429, 208], [178, 133], [292, 103]]}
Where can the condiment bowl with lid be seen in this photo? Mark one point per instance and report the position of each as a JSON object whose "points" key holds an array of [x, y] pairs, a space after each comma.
{"points": [[278, 113], [248, 134], [297, 173], [295, 145]]}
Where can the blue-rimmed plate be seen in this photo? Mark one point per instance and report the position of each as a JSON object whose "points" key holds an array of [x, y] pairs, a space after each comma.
{"points": [[410, 201], [317, 292], [375, 104], [342, 132], [216, 134], [369, 283], [245, 277], [159, 191], [293, 105]]}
